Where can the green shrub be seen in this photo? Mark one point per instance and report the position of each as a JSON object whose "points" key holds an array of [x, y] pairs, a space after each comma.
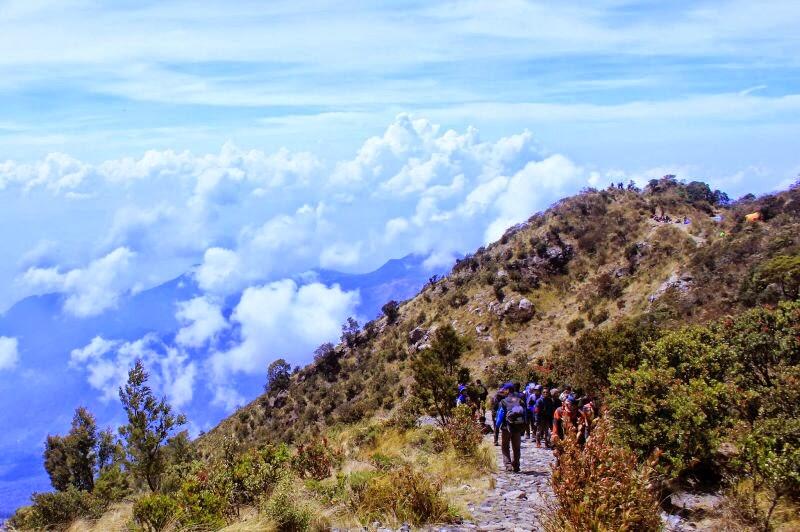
{"points": [[112, 485], [600, 486], [406, 415], [257, 471], [284, 511], [58, 509], [463, 432], [575, 325], [154, 512], [403, 495], [316, 460]]}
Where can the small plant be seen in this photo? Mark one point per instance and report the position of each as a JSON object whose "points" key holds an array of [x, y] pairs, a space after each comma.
{"points": [[600, 487], [403, 495], [463, 433], [406, 416], [284, 511], [154, 512], [316, 460], [573, 326]]}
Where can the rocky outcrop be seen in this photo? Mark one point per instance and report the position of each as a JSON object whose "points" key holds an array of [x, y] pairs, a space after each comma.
{"points": [[513, 310], [681, 283]]}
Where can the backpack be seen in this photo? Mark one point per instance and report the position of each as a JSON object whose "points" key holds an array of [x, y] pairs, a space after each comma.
{"points": [[515, 411]]}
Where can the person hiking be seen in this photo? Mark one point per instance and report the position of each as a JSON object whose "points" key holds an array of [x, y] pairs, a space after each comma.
{"points": [[499, 396], [544, 409], [587, 413], [483, 393], [566, 413], [530, 426], [554, 395], [463, 397], [511, 420], [567, 391]]}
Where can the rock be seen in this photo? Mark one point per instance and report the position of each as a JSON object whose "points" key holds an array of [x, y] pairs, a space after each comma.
{"points": [[517, 311], [695, 504], [416, 334], [482, 329], [279, 401], [516, 494]]}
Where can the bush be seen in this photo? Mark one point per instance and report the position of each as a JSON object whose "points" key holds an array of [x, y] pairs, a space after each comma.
{"points": [[600, 487], [573, 326], [463, 432], [316, 460], [284, 511], [112, 485], [58, 509], [406, 416], [403, 495], [154, 512]]}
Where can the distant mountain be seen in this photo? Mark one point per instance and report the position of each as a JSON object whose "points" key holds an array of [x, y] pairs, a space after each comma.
{"points": [[41, 398]]}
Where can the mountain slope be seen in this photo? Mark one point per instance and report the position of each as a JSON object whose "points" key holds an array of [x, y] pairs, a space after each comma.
{"points": [[589, 260]]}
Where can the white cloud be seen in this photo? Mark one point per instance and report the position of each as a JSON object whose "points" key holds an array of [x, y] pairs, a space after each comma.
{"points": [[280, 319], [89, 291], [107, 363], [202, 320], [9, 352]]}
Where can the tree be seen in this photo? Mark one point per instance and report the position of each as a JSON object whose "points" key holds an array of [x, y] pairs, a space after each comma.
{"points": [[278, 376], [784, 271], [391, 310], [350, 333], [70, 460], [436, 371], [150, 424], [327, 360]]}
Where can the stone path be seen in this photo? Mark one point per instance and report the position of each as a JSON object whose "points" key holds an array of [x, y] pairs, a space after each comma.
{"points": [[516, 502]]}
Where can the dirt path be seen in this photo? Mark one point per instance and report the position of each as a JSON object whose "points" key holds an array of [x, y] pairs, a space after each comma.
{"points": [[516, 501]]}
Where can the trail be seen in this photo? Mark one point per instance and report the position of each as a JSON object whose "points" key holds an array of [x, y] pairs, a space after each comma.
{"points": [[517, 499]]}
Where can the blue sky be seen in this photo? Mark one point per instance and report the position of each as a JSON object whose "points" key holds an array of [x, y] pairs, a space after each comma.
{"points": [[249, 142]]}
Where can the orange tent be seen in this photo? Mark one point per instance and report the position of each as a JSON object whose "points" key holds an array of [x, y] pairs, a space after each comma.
{"points": [[753, 217]]}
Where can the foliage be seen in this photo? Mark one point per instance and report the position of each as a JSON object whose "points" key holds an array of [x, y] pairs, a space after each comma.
{"points": [[600, 486], [112, 484], [278, 374], [154, 512], [284, 511], [436, 369], [391, 310], [70, 460], [58, 509], [316, 459], [406, 415], [575, 325], [350, 331], [150, 424], [463, 431], [405, 495], [327, 361]]}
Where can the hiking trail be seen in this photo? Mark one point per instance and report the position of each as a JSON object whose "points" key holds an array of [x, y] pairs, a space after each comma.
{"points": [[517, 500]]}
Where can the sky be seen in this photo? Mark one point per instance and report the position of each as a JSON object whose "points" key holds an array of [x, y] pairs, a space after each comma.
{"points": [[248, 142]]}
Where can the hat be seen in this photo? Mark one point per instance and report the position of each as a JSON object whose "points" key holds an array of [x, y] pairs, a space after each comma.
{"points": [[538, 387], [461, 387], [508, 386], [571, 398]]}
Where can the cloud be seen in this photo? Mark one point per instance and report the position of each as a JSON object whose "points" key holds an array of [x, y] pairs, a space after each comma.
{"points": [[9, 352], [202, 320], [107, 363], [89, 291], [281, 319]]}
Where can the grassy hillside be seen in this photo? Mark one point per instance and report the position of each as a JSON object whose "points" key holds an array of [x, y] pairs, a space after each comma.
{"points": [[589, 260], [596, 279]]}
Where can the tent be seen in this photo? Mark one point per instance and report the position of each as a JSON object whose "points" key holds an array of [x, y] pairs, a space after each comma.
{"points": [[753, 217]]}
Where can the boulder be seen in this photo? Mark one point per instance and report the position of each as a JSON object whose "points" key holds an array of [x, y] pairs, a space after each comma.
{"points": [[518, 311], [416, 334]]}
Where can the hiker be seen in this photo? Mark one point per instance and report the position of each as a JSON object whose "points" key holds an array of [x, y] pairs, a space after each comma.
{"points": [[566, 413], [511, 419], [586, 414], [463, 397], [499, 396], [554, 395], [567, 391], [544, 418], [530, 426], [483, 393]]}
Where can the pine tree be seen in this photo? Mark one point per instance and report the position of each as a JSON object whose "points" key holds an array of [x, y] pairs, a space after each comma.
{"points": [[151, 422]]}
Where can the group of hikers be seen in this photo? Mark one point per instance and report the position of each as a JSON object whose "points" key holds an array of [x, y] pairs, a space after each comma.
{"points": [[537, 413]]}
